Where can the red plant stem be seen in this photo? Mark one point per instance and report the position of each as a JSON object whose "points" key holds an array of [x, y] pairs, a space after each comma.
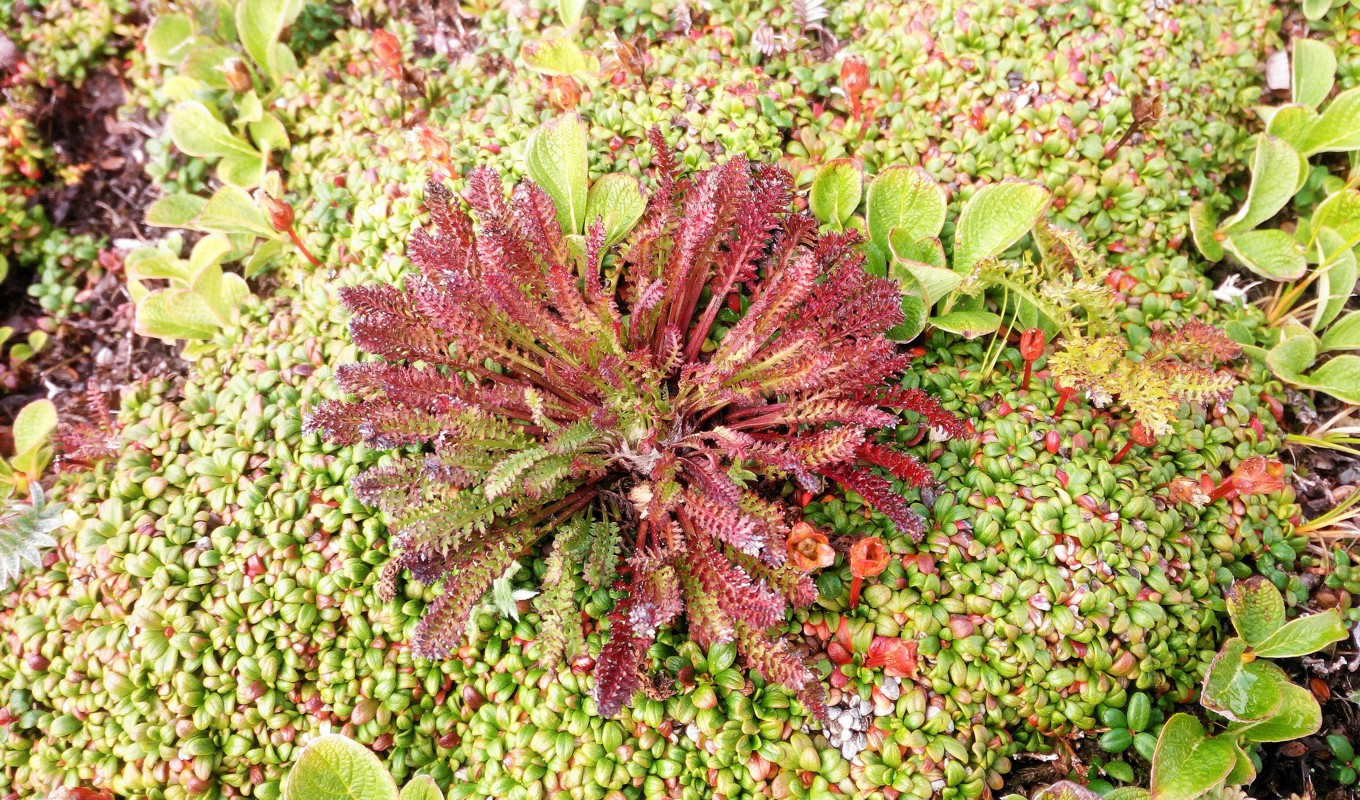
{"points": [[1029, 366], [297, 240], [1221, 490], [855, 583], [1123, 451], [1062, 401]]}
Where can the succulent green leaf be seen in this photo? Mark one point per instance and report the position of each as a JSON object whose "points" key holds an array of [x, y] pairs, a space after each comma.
{"points": [[968, 324], [168, 37], [421, 787], [1314, 71], [1299, 715], [1065, 790], [1202, 230], [1269, 253], [1256, 608], [995, 218], [196, 132], [1337, 129], [1336, 278], [905, 198], [1316, 9], [175, 211], [260, 24], [1344, 335], [1188, 762], [836, 192], [1140, 711], [556, 160], [1341, 747], [619, 200], [33, 426], [1239, 687], [557, 53], [1275, 171], [334, 767], [233, 210]]}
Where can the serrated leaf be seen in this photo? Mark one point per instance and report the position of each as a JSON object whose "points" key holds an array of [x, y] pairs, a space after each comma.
{"points": [[1275, 171], [233, 210], [619, 200], [196, 132], [1291, 356], [1340, 212], [1314, 70], [1292, 123], [174, 314], [1271, 254], [155, 263], [333, 767], [1299, 715], [1065, 790], [571, 11], [1187, 762], [175, 211], [555, 159], [168, 38], [1202, 230], [995, 218], [1337, 129], [33, 426], [968, 324], [1344, 334], [1256, 608], [259, 25], [269, 134], [1243, 771], [928, 251], [558, 54], [244, 172], [1239, 688], [907, 199], [836, 192], [1336, 278], [421, 787], [1339, 377]]}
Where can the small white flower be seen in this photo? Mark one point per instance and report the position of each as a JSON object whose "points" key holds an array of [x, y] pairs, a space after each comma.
{"points": [[1230, 292]]}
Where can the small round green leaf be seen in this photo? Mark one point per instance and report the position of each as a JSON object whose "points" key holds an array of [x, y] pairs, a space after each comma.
{"points": [[421, 787], [905, 198], [1299, 715], [33, 425], [1256, 608], [995, 218], [1269, 253]]}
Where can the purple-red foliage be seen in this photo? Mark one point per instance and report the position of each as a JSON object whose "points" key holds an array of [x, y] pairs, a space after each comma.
{"points": [[553, 385]]}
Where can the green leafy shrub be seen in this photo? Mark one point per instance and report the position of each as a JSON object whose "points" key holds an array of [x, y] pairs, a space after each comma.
{"points": [[1320, 254]]}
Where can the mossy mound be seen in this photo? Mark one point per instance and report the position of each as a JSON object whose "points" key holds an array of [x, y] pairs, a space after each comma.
{"points": [[214, 604]]}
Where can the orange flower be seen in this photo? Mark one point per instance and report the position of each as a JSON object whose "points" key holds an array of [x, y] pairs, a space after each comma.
{"points": [[1032, 344], [896, 656], [868, 559], [808, 548], [1255, 475], [387, 49], [854, 80]]}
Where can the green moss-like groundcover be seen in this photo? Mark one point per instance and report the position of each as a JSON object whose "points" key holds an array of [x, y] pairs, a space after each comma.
{"points": [[213, 603]]}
